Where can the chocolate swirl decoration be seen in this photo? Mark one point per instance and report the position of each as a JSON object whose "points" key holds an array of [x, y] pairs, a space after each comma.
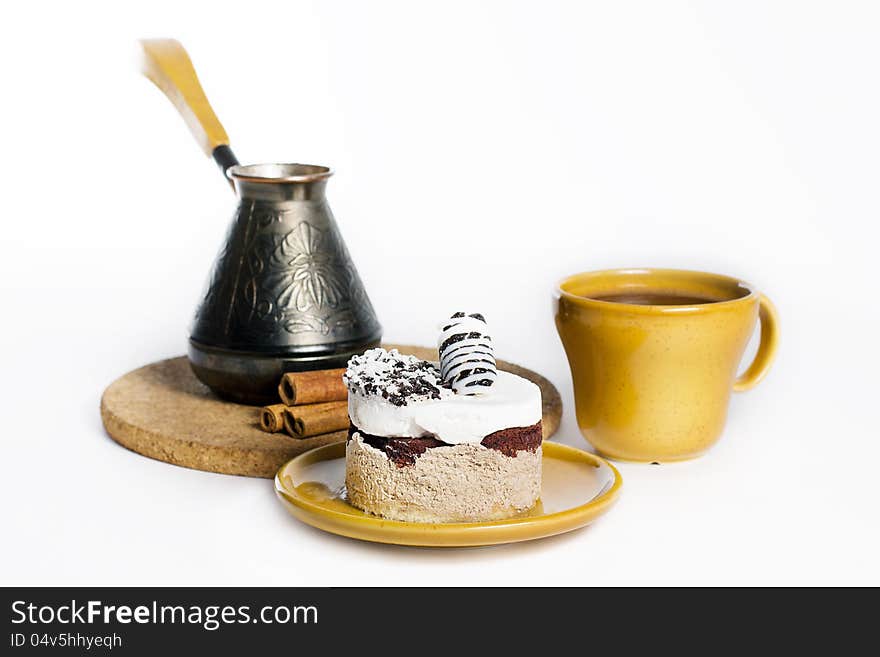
{"points": [[467, 360]]}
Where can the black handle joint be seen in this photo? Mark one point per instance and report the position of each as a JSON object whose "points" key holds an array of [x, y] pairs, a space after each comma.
{"points": [[224, 157]]}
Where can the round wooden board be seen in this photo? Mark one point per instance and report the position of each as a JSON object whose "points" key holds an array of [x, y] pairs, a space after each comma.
{"points": [[162, 411]]}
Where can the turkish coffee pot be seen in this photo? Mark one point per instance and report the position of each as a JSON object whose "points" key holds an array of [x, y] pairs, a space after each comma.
{"points": [[284, 294]]}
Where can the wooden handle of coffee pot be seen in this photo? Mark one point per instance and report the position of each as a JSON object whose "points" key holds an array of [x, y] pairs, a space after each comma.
{"points": [[168, 65]]}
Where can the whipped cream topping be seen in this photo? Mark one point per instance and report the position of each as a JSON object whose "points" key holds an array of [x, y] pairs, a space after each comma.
{"points": [[455, 419], [467, 358], [397, 379]]}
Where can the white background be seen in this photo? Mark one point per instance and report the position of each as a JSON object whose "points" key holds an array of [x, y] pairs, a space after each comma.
{"points": [[482, 151]]}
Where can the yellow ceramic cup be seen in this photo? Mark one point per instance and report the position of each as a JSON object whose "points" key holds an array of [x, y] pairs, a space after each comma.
{"points": [[654, 355]]}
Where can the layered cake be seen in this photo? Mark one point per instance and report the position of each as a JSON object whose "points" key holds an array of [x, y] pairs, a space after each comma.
{"points": [[454, 442]]}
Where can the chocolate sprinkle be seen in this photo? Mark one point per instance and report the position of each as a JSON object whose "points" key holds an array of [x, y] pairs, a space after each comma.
{"points": [[395, 378]]}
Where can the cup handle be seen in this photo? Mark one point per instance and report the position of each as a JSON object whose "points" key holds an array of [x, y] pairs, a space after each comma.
{"points": [[766, 350]]}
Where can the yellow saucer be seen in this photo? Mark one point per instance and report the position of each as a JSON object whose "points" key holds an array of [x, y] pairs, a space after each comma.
{"points": [[577, 488]]}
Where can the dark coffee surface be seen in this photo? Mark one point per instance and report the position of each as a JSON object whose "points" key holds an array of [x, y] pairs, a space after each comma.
{"points": [[656, 299]]}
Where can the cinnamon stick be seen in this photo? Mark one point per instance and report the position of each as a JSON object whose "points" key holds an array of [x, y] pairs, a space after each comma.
{"points": [[272, 418], [313, 387], [315, 419]]}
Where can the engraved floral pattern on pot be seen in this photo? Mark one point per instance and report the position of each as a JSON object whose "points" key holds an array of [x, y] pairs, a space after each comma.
{"points": [[309, 274], [285, 278]]}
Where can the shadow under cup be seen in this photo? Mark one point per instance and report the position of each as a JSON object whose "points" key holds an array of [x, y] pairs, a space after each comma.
{"points": [[654, 355]]}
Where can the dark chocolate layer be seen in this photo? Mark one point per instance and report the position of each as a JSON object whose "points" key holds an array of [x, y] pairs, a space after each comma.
{"points": [[405, 451], [510, 441]]}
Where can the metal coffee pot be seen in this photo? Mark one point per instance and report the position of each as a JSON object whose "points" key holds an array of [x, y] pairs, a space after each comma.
{"points": [[284, 294]]}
